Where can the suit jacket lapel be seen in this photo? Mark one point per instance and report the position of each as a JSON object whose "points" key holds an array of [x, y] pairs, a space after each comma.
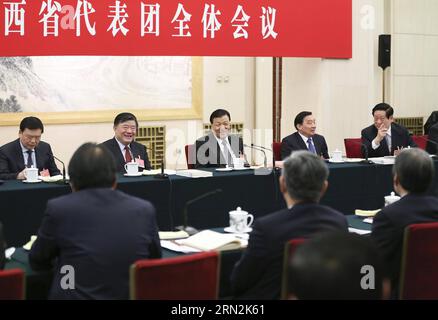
{"points": [[116, 150], [19, 160], [300, 141]]}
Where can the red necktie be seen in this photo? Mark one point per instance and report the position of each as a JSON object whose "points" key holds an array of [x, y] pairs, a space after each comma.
{"points": [[128, 157]]}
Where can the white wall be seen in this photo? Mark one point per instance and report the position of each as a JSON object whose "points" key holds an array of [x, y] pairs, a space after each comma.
{"points": [[414, 26]]}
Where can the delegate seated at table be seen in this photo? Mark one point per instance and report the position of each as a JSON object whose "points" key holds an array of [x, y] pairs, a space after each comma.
{"points": [[123, 147], [219, 147], [26, 152], [385, 137], [303, 182], [95, 233], [305, 138]]}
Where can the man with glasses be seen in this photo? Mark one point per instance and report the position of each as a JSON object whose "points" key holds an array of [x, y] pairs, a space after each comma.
{"points": [[123, 147], [28, 151]]}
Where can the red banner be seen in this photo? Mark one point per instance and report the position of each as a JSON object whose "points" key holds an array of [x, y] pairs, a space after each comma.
{"points": [[287, 28]]}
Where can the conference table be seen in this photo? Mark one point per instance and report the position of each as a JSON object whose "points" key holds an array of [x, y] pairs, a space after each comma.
{"points": [[38, 282], [351, 186]]}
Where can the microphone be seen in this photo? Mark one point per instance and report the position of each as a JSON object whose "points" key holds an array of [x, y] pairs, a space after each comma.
{"points": [[161, 175], [262, 149], [185, 227], [64, 180]]}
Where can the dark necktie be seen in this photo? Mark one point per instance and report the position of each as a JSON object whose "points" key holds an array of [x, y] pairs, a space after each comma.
{"points": [[311, 146], [128, 157], [29, 159]]}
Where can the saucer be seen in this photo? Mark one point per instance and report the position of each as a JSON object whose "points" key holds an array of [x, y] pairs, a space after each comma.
{"points": [[36, 181], [336, 161], [232, 230], [134, 175], [224, 169]]}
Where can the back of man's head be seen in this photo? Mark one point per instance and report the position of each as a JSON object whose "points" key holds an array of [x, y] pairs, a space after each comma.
{"points": [[92, 166], [337, 266], [31, 123], [414, 170], [305, 175]]}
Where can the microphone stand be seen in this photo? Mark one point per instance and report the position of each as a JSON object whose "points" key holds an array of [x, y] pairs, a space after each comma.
{"points": [[365, 149], [265, 170], [161, 175], [185, 227], [64, 180]]}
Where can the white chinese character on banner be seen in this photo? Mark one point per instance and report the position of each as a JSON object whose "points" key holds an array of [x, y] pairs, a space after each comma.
{"points": [[150, 20], [181, 16], [241, 20], [87, 8], [50, 17], [210, 22], [14, 16], [268, 22], [119, 15]]}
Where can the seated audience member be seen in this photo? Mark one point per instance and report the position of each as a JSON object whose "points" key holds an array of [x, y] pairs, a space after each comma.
{"points": [[413, 173], [336, 266], [305, 138], [303, 182], [219, 147], [432, 144], [26, 152], [385, 137], [97, 231], [2, 248], [123, 147]]}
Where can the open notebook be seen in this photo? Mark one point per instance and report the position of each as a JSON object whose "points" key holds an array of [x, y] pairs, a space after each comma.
{"points": [[208, 240]]}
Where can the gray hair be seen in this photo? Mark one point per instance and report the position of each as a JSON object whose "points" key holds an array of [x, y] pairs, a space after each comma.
{"points": [[414, 169], [304, 173]]}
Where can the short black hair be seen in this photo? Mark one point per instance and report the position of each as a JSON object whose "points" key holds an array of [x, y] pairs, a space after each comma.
{"points": [[389, 111], [414, 169], [92, 166], [333, 266], [123, 117], [219, 113], [31, 123], [299, 119]]}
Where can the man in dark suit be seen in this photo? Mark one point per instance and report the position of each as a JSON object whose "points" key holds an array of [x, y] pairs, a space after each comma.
{"points": [[413, 173], [26, 152], [305, 138], [93, 235], [218, 148], [385, 137], [123, 147], [431, 146], [303, 182]]}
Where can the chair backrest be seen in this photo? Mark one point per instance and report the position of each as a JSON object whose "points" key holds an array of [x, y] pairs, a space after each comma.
{"points": [[421, 141], [190, 155], [188, 277], [276, 149], [12, 284], [419, 267], [289, 250], [353, 147]]}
